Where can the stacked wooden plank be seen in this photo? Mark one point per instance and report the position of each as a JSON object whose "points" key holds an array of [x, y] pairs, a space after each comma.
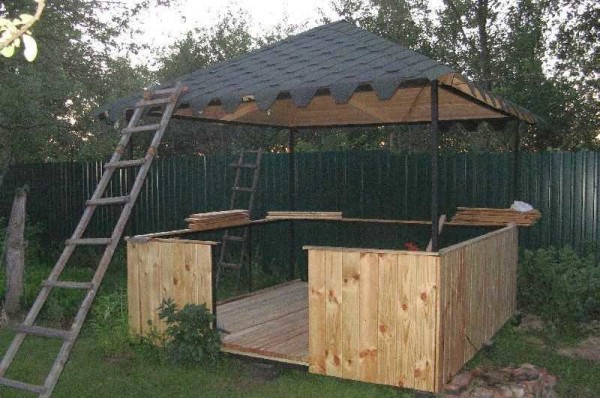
{"points": [[218, 219], [493, 217], [304, 215]]}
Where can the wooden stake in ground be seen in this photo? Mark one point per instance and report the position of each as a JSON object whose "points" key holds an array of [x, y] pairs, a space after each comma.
{"points": [[15, 253]]}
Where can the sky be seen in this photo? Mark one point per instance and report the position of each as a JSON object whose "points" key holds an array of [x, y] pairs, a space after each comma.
{"points": [[165, 24]]}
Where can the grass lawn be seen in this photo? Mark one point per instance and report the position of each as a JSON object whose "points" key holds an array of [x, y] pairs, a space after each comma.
{"points": [[140, 374]]}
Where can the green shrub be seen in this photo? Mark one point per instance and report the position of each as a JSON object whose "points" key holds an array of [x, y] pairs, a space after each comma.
{"points": [[191, 337], [110, 322], [560, 285]]}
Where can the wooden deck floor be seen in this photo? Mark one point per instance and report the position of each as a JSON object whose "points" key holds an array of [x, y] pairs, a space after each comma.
{"points": [[270, 323]]}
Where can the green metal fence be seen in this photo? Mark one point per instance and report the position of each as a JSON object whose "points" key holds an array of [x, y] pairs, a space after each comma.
{"points": [[370, 184]]}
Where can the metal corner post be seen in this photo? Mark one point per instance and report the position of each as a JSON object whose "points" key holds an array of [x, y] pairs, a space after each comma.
{"points": [[292, 201], [435, 199], [517, 162]]}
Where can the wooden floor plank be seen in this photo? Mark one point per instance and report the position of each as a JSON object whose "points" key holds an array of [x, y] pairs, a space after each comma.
{"points": [[270, 324]]}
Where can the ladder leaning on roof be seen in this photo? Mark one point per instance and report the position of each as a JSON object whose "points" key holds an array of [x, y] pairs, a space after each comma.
{"points": [[167, 100]]}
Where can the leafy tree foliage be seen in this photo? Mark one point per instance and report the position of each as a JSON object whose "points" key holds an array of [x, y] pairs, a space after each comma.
{"points": [[229, 38], [46, 106], [509, 48]]}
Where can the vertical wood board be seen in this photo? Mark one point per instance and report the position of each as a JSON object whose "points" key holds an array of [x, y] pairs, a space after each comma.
{"points": [[477, 296], [383, 327], [162, 269]]}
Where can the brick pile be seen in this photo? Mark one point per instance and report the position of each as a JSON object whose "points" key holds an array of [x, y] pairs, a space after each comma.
{"points": [[525, 381]]}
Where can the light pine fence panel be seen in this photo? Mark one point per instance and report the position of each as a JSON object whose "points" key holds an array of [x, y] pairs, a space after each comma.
{"points": [[161, 269], [477, 295], [377, 312]]}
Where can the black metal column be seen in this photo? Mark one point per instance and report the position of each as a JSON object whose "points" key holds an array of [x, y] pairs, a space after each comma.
{"points": [[292, 201], [435, 199], [517, 162], [131, 227]]}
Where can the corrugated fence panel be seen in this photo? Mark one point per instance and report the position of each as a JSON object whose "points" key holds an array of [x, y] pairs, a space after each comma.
{"points": [[376, 184]]}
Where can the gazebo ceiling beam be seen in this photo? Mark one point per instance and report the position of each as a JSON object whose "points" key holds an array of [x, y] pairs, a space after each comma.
{"points": [[407, 106]]}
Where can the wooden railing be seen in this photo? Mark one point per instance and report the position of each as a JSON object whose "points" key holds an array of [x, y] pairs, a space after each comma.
{"points": [[159, 269], [408, 319]]}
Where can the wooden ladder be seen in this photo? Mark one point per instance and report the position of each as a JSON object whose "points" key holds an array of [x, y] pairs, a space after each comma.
{"points": [[166, 100], [241, 241]]}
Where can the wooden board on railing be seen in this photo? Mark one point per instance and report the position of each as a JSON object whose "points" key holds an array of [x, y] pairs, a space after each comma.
{"points": [[218, 219], [304, 215], [494, 217]]}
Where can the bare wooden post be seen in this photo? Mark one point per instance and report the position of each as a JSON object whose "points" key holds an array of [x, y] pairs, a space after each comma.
{"points": [[15, 253]]}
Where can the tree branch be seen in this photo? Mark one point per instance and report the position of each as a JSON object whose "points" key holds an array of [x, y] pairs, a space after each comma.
{"points": [[38, 13], [452, 6]]}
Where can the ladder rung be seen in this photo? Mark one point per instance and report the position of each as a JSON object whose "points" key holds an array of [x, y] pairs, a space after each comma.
{"points": [[89, 241], [243, 189], [137, 129], [234, 238], [69, 285], [126, 163], [153, 102], [22, 385], [150, 94], [108, 201], [244, 165], [231, 266], [44, 332]]}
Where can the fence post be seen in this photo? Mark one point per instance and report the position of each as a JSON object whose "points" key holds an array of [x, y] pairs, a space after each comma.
{"points": [[15, 253]]}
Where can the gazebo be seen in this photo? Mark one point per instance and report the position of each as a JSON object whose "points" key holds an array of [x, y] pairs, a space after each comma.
{"points": [[393, 317], [336, 75]]}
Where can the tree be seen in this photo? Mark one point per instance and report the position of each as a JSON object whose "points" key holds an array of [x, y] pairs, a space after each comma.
{"points": [[576, 49], [201, 47], [46, 110], [502, 47], [15, 253]]}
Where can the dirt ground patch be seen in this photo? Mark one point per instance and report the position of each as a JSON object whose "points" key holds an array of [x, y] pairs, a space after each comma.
{"points": [[588, 348]]}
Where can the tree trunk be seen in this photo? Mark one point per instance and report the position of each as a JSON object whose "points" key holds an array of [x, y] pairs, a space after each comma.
{"points": [[484, 51], [15, 253], [5, 161]]}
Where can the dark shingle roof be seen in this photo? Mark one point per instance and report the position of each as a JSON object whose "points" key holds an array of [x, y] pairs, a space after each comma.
{"points": [[338, 57]]}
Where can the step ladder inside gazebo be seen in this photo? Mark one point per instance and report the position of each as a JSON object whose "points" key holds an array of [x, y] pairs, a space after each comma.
{"points": [[164, 101], [234, 247]]}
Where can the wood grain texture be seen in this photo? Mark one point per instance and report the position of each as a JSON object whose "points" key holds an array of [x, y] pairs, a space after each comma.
{"points": [[408, 104], [350, 315], [316, 317], [388, 323], [369, 296], [133, 288], [501, 217], [477, 296], [333, 313], [162, 269], [387, 370], [272, 323]]}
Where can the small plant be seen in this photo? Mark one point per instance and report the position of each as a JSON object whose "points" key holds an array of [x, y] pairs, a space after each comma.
{"points": [[191, 336], [110, 323]]}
